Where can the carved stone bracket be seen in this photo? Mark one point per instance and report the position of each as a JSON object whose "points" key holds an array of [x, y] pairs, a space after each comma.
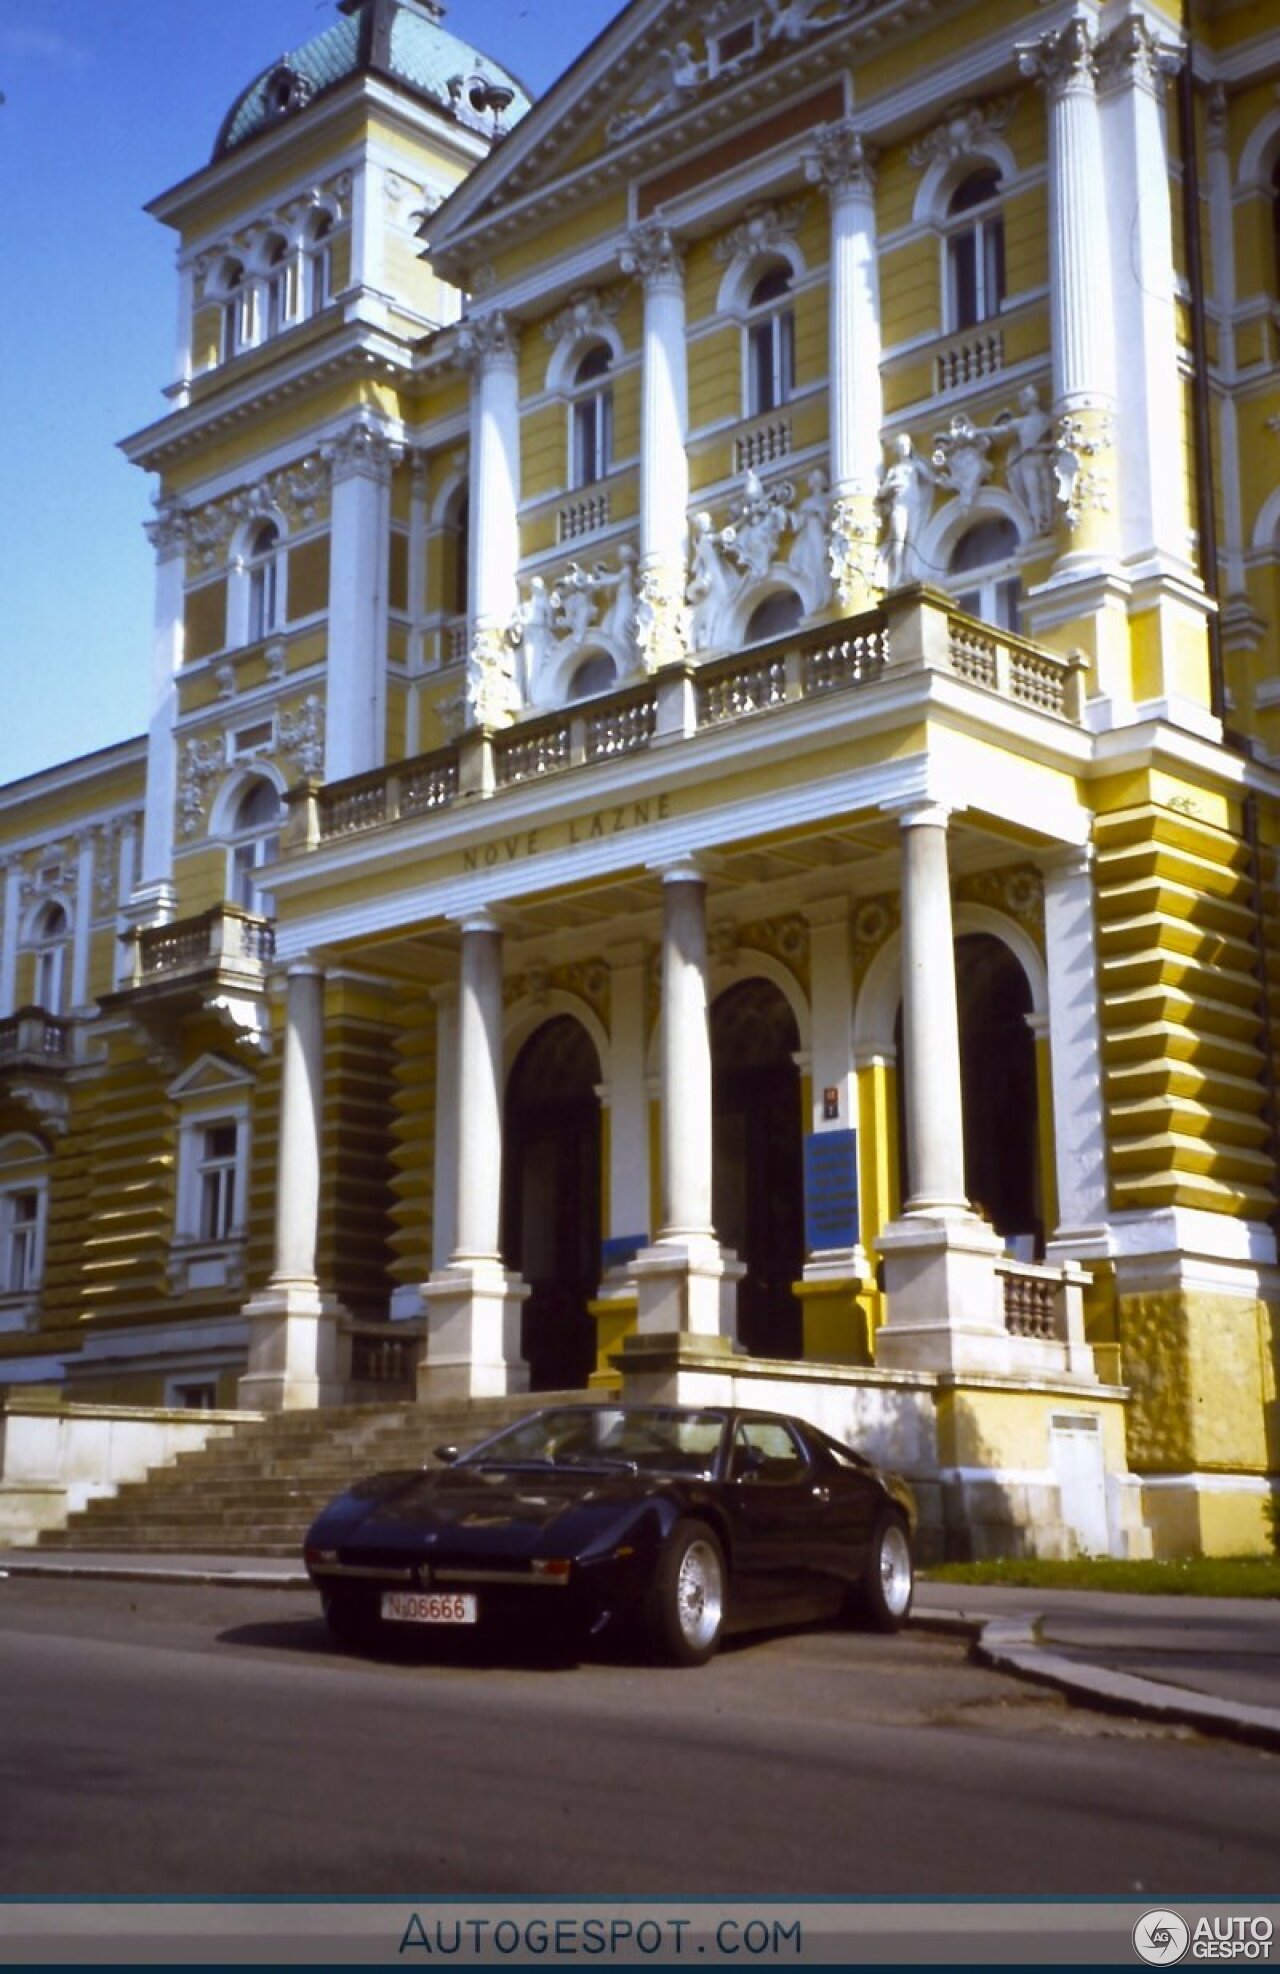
{"points": [[965, 130]]}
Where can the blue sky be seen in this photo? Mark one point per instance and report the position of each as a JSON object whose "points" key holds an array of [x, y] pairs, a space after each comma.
{"points": [[106, 104]]}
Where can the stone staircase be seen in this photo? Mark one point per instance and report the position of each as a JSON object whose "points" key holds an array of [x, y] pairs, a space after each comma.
{"points": [[256, 1491]]}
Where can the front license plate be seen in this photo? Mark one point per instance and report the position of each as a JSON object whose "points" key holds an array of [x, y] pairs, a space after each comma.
{"points": [[429, 1607]]}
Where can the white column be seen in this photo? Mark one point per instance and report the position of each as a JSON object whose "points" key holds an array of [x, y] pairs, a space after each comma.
{"points": [[930, 1020], [1153, 518], [487, 347], [1081, 308], [360, 523], [122, 971], [293, 1328], [685, 1281], [686, 1058], [479, 1093], [944, 1310], [841, 163], [473, 1304], [153, 901], [662, 616], [9, 937], [182, 354], [1075, 1057], [417, 598]]}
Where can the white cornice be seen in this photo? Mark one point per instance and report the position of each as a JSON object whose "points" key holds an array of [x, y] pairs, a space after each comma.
{"points": [[69, 777]]}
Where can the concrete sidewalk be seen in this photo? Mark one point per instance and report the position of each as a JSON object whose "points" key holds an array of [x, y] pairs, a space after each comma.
{"points": [[1211, 1663]]}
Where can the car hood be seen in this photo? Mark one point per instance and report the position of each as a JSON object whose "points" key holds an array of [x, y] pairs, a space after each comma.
{"points": [[455, 1509]]}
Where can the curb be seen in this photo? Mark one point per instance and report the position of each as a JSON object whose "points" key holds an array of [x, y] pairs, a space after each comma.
{"points": [[1015, 1645], [148, 1573]]}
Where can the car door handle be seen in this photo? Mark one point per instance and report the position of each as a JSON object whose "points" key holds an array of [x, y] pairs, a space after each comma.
{"points": [[821, 1493]]}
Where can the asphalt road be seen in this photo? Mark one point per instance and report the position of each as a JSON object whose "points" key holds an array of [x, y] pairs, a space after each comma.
{"points": [[161, 1740]]}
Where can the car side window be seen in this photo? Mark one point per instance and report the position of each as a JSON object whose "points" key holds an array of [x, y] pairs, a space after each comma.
{"points": [[767, 1453]]}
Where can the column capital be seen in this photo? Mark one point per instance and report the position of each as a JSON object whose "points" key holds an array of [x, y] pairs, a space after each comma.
{"points": [[652, 252], [1063, 62], [362, 451], [681, 870], [919, 811], [480, 920], [486, 342], [170, 532], [841, 161], [1132, 56]]}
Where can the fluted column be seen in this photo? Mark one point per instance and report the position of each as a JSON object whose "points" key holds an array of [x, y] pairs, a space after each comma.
{"points": [[1131, 68], [1075, 1056], [841, 164], [487, 347], [473, 1304], [1082, 315], [662, 616], [293, 1327], [356, 711]]}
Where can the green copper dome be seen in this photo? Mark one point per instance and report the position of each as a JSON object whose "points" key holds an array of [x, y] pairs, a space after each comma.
{"points": [[402, 41]]}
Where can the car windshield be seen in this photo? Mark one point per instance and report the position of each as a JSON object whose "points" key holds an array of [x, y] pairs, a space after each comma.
{"points": [[647, 1439]]}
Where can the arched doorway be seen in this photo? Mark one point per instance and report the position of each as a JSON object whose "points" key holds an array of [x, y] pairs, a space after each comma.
{"points": [[551, 1199], [997, 1088], [758, 1174]]}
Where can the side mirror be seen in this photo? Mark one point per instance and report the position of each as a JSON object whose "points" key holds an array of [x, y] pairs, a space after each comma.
{"points": [[446, 1455]]}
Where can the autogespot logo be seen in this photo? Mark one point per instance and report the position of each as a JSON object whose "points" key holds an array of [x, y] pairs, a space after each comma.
{"points": [[1161, 1938]]}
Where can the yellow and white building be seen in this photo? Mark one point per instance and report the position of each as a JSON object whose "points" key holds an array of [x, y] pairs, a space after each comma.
{"points": [[710, 814]]}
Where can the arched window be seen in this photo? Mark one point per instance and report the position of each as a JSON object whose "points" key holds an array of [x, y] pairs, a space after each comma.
{"points": [[591, 418], [255, 840], [316, 263], [275, 285], [975, 250], [777, 615], [771, 340], [263, 569], [983, 572], [52, 937], [231, 285]]}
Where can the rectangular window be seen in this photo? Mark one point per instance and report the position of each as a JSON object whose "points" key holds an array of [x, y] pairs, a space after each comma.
{"points": [[770, 363], [217, 1174], [592, 438], [21, 1257], [975, 270]]}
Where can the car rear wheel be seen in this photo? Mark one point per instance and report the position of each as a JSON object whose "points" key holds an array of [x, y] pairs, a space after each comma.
{"points": [[883, 1598], [685, 1609]]}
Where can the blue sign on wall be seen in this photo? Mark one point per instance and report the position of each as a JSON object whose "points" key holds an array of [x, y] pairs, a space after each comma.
{"points": [[831, 1189]]}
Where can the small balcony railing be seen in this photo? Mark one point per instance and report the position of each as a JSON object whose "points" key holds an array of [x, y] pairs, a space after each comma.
{"points": [[223, 940], [34, 1039]]}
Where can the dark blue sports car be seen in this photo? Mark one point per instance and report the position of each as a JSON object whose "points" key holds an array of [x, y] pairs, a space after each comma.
{"points": [[681, 1523]]}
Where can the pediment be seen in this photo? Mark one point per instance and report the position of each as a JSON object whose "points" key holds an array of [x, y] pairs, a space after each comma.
{"points": [[662, 71], [209, 1075]]}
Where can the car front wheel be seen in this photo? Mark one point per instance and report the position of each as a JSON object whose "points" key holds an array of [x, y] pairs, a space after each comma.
{"points": [[687, 1596], [883, 1598]]}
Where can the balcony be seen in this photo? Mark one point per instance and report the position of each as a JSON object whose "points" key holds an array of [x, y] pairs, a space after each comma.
{"points": [[225, 943], [916, 632], [34, 1040]]}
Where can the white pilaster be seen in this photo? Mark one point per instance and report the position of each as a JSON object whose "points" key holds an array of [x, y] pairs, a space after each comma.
{"points": [[81, 936], [9, 938], [1075, 1057], [356, 708], [841, 163], [153, 900], [1150, 463], [662, 618], [292, 1326], [473, 1304], [628, 1204]]}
